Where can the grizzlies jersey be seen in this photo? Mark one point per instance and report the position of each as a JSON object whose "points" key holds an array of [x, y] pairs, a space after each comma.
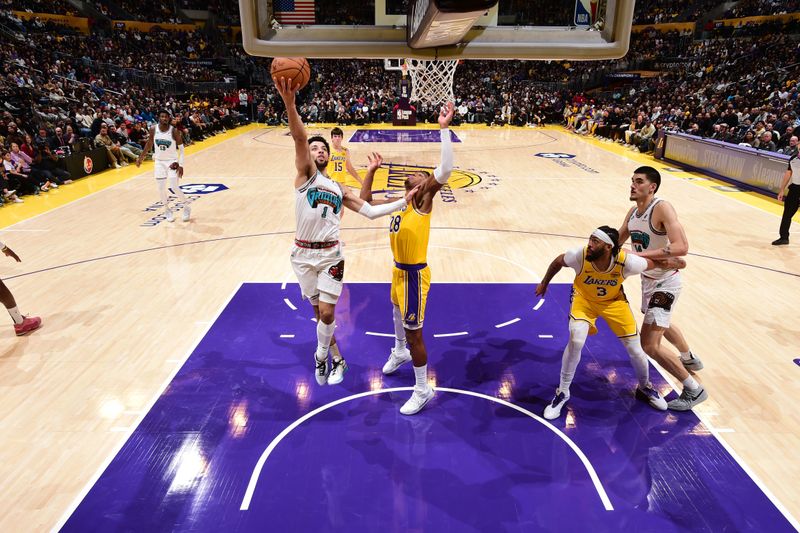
{"points": [[337, 166], [596, 286], [164, 145], [409, 231], [318, 209], [645, 237]]}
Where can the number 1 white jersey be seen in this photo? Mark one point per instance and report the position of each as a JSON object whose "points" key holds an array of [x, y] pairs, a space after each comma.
{"points": [[318, 209]]}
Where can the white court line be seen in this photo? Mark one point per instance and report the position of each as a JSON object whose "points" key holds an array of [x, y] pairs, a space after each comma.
{"points": [[504, 324], [538, 304], [283, 286], [132, 428], [290, 304], [313, 319], [251, 486], [456, 334], [716, 433], [287, 336], [380, 334], [545, 336]]}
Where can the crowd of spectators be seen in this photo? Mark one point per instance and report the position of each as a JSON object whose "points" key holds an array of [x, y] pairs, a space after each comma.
{"points": [[151, 10], [751, 8], [58, 7]]}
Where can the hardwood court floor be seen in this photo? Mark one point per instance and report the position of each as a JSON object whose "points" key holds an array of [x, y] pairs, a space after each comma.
{"points": [[125, 297]]}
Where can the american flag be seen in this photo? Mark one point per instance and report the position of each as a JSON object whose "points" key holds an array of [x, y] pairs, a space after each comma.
{"points": [[294, 11]]}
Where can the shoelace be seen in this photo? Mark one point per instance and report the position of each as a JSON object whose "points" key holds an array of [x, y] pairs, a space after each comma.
{"points": [[321, 367]]}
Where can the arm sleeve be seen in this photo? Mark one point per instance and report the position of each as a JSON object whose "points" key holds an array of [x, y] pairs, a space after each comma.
{"points": [[633, 265], [574, 258], [374, 211], [442, 172], [2, 245]]}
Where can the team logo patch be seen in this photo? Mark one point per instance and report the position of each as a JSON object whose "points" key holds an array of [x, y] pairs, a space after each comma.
{"points": [[661, 300], [88, 164], [337, 271]]}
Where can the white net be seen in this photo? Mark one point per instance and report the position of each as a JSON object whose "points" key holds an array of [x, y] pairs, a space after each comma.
{"points": [[432, 80]]}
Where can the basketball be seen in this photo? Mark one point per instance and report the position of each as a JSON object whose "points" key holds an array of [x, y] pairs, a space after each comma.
{"points": [[295, 68]]}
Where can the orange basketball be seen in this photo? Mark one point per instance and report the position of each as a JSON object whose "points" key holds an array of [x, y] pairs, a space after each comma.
{"points": [[296, 68]]}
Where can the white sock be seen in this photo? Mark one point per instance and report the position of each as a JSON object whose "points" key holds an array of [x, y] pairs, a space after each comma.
{"points": [[324, 334], [335, 353], [399, 330], [687, 356], [421, 375], [16, 316], [690, 383]]}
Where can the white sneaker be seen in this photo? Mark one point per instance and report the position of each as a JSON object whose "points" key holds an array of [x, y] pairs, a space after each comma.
{"points": [[396, 359], [170, 216], [187, 212], [321, 370], [651, 396], [417, 401], [553, 409], [54, 186], [338, 368]]}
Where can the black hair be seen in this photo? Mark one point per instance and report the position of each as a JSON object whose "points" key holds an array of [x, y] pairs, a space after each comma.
{"points": [[337, 131], [164, 111], [652, 175], [320, 138], [614, 234]]}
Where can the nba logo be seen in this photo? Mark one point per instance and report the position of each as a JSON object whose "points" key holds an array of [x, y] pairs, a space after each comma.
{"points": [[586, 12]]}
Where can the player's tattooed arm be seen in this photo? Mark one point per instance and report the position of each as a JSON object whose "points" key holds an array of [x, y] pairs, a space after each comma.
{"points": [[557, 264]]}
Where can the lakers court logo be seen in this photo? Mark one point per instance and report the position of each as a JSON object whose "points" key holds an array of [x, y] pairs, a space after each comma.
{"points": [[391, 178]]}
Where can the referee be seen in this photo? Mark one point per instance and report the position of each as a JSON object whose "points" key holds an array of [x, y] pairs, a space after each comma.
{"points": [[791, 201]]}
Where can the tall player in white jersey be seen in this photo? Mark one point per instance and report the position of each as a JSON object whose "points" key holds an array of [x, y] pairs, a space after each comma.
{"points": [[168, 157], [317, 258], [655, 234]]}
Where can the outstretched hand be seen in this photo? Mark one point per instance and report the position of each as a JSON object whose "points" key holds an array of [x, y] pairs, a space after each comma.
{"points": [[287, 89], [446, 114], [410, 194], [375, 161], [541, 289]]}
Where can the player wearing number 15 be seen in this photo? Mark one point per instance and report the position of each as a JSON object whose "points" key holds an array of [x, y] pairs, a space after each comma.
{"points": [[340, 164], [600, 268], [409, 230]]}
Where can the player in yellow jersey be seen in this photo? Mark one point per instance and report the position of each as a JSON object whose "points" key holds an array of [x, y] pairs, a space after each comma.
{"points": [[600, 268], [409, 230], [340, 165]]}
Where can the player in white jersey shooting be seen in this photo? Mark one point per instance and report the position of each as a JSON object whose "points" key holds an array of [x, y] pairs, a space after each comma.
{"points": [[168, 158], [655, 234], [317, 257]]}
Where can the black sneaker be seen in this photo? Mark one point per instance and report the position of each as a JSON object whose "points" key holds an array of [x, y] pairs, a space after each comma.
{"points": [[780, 242]]}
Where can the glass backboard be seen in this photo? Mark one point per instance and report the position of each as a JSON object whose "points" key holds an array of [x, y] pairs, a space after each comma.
{"points": [[513, 29]]}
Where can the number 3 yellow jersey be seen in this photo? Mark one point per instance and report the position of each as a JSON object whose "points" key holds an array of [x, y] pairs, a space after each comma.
{"points": [[409, 231], [597, 286], [337, 166]]}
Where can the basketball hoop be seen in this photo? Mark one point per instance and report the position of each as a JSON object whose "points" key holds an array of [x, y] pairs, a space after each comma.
{"points": [[431, 80]]}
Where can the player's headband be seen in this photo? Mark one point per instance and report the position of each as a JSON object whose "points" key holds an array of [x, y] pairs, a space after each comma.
{"points": [[603, 236]]}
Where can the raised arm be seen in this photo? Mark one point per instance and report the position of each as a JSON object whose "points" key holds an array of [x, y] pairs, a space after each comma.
{"points": [[442, 172], [375, 162], [302, 155], [147, 147]]}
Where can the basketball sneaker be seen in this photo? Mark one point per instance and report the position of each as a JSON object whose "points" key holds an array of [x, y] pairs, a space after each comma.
{"points": [[321, 370], [693, 363], [688, 399], [553, 410], [170, 216], [28, 324], [187, 212], [417, 401], [396, 359], [338, 368], [651, 396]]}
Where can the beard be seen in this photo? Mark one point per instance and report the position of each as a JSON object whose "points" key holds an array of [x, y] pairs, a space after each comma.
{"points": [[321, 166], [594, 255]]}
